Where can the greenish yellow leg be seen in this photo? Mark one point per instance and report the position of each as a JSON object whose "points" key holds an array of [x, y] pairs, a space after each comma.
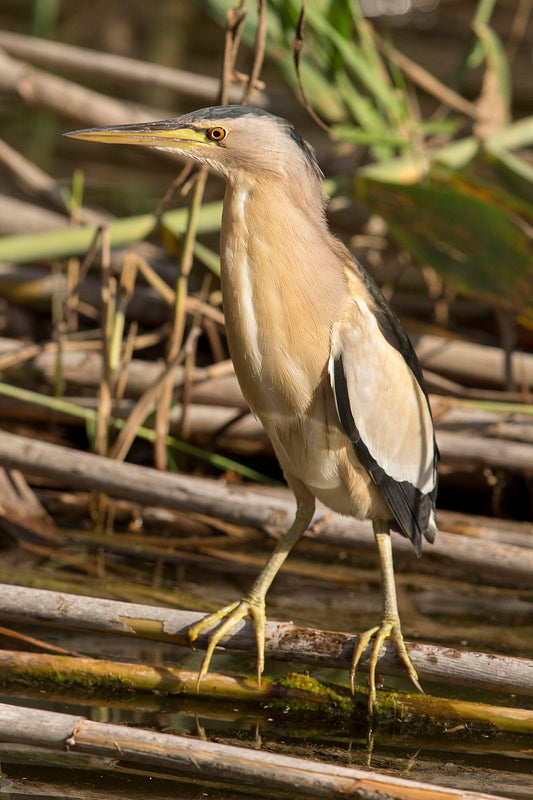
{"points": [[390, 627], [253, 604]]}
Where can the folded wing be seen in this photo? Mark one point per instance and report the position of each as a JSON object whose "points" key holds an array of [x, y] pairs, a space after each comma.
{"points": [[383, 407]]}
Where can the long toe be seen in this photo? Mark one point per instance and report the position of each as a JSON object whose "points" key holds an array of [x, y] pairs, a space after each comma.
{"points": [[227, 618], [363, 640], [397, 637], [209, 620], [389, 629]]}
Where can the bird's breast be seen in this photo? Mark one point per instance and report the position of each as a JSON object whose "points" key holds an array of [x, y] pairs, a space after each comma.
{"points": [[283, 290], [278, 333]]}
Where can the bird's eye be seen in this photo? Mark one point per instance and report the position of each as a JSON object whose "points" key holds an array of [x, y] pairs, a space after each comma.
{"points": [[217, 134]]}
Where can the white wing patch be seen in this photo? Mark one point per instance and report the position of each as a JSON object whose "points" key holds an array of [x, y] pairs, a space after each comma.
{"points": [[389, 409]]}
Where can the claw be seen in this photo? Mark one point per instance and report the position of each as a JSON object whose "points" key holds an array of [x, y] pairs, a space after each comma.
{"points": [[389, 629], [229, 617]]}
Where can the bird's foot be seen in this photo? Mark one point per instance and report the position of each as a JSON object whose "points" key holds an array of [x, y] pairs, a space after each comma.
{"points": [[389, 629], [229, 617]]}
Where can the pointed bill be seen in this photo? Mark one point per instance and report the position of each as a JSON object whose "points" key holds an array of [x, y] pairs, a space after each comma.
{"points": [[168, 133]]}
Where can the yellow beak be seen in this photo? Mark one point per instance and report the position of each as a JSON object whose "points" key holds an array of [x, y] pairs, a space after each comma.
{"points": [[149, 134]]}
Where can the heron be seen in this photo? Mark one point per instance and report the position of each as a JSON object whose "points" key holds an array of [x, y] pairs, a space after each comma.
{"points": [[322, 359]]}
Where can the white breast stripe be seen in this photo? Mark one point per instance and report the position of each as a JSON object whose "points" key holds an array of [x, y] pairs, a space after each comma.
{"points": [[242, 267]]}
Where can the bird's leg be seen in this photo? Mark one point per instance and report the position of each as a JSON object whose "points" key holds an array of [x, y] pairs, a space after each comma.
{"points": [[390, 627], [253, 603]]}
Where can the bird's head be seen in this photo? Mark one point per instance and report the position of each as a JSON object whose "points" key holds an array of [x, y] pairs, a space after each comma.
{"points": [[235, 141]]}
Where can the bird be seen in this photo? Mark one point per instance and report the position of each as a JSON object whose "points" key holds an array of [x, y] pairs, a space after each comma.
{"points": [[322, 359]]}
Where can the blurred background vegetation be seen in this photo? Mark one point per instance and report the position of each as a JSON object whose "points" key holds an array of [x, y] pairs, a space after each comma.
{"points": [[421, 113], [112, 332]]}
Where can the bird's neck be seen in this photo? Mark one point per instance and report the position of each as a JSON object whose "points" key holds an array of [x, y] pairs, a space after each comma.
{"points": [[282, 285]]}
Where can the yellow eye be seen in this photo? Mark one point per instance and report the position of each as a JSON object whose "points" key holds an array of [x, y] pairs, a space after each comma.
{"points": [[217, 134]]}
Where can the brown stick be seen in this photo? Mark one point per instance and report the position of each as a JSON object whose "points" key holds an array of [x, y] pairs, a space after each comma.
{"points": [[67, 99], [259, 53], [80, 60], [297, 692], [476, 363], [19, 217], [284, 641], [499, 450], [247, 506], [212, 760], [426, 80], [459, 448], [37, 183]]}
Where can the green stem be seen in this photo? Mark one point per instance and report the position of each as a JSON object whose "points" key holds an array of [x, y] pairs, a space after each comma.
{"points": [[90, 416]]}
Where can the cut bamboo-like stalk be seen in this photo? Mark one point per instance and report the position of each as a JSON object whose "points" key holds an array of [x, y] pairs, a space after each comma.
{"points": [[211, 760], [298, 693], [59, 55], [284, 641], [241, 504], [78, 240]]}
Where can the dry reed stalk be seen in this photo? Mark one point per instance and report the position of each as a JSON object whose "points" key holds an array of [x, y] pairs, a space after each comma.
{"points": [[74, 59], [284, 641], [175, 341], [247, 505], [209, 760], [298, 694]]}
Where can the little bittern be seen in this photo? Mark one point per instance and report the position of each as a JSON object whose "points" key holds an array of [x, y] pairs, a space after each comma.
{"points": [[320, 356]]}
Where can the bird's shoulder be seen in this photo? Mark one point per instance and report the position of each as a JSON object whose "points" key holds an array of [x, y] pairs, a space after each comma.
{"points": [[364, 295]]}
